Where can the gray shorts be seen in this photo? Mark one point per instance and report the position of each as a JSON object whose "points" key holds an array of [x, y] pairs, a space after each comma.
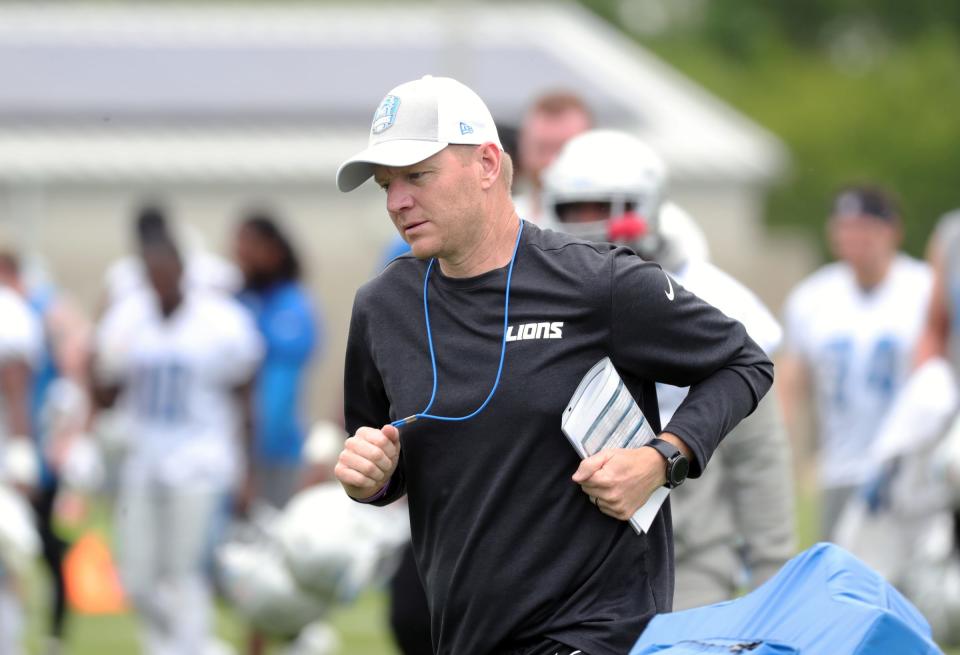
{"points": [[696, 586], [832, 502], [163, 532]]}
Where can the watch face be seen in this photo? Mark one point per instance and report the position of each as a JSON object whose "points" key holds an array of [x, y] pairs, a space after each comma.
{"points": [[679, 470]]}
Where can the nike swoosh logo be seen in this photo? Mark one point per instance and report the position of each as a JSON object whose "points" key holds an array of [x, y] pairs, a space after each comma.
{"points": [[669, 294]]}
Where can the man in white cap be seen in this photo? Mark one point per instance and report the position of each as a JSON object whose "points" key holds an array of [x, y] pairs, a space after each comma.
{"points": [[514, 557]]}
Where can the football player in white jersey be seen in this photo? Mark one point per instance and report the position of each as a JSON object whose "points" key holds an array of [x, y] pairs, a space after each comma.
{"points": [[180, 360], [851, 331], [202, 268], [20, 343], [59, 413], [609, 186], [903, 522]]}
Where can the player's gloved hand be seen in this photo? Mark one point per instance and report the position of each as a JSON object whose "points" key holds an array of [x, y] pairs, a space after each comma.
{"points": [[876, 491], [20, 464], [620, 480], [367, 461]]}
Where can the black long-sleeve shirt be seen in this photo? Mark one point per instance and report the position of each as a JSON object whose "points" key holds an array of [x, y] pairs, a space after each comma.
{"points": [[508, 547]]}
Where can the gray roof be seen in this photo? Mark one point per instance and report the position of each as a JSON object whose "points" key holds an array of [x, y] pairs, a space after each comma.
{"points": [[185, 83], [165, 72]]}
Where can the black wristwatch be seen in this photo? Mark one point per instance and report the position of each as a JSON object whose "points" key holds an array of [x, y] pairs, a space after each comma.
{"points": [[677, 465]]}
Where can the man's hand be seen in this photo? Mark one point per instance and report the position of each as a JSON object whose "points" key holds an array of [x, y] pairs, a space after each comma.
{"points": [[620, 480], [367, 461]]}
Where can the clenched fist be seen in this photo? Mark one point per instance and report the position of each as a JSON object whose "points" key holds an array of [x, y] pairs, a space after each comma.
{"points": [[367, 461]]}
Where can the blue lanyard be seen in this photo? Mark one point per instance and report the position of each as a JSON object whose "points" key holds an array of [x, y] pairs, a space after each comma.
{"points": [[433, 359]]}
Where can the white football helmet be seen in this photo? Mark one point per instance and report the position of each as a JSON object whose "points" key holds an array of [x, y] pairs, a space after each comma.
{"points": [[620, 176], [336, 547], [259, 585], [286, 569], [324, 444]]}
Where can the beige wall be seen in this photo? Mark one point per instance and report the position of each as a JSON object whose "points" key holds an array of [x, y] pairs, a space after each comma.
{"points": [[80, 230], [732, 219]]}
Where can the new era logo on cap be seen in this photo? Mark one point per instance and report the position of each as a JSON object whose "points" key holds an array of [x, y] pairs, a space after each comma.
{"points": [[415, 121]]}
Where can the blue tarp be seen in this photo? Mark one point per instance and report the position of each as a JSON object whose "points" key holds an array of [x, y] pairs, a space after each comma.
{"points": [[822, 602]]}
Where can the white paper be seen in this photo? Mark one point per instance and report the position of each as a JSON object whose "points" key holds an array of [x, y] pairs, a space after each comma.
{"points": [[602, 414]]}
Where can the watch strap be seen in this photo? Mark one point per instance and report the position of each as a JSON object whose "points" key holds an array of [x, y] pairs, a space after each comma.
{"points": [[664, 447], [673, 456]]}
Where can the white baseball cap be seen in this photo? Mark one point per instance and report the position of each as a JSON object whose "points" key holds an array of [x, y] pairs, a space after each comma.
{"points": [[416, 120]]}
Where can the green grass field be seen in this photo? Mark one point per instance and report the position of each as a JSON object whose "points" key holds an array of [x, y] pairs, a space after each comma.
{"points": [[362, 626]]}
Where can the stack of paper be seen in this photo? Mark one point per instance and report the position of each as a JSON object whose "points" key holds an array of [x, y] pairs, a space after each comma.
{"points": [[602, 414]]}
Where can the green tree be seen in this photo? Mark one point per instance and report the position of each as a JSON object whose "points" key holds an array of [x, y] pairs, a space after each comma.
{"points": [[859, 90]]}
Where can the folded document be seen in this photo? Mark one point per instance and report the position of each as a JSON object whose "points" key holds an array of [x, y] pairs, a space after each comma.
{"points": [[602, 414]]}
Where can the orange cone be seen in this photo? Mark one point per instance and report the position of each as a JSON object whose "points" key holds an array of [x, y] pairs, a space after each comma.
{"points": [[93, 585]]}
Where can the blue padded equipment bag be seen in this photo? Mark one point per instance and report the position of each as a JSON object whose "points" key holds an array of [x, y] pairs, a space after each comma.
{"points": [[824, 601]]}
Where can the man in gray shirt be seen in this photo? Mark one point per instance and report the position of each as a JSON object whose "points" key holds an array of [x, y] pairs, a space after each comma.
{"points": [[521, 547]]}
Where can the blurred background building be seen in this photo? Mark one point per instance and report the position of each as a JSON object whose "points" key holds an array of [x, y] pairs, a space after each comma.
{"points": [[215, 106]]}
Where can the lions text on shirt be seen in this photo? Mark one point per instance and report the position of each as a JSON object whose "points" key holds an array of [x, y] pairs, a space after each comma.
{"points": [[857, 346], [179, 375]]}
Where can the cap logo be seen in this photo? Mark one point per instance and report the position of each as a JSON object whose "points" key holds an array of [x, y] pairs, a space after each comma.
{"points": [[386, 115], [465, 129]]}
